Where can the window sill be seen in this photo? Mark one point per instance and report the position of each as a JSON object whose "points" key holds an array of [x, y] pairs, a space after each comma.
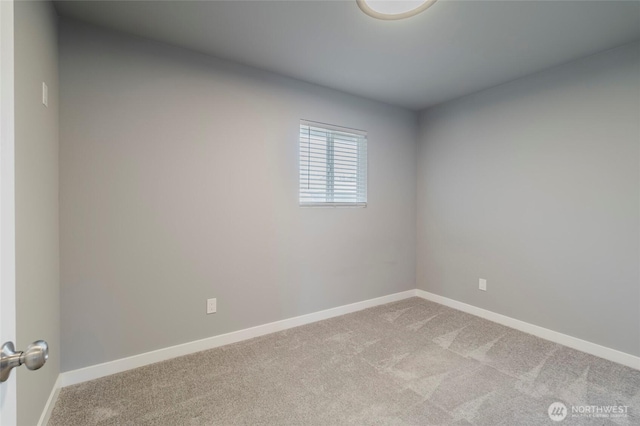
{"points": [[334, 205]]}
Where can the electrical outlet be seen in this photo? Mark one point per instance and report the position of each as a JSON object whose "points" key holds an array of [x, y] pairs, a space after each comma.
{"points": [[45, 94], [212, 306], [483, 284]]}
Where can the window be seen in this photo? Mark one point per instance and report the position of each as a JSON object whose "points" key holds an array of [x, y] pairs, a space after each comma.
{"points": [[333, 165]]}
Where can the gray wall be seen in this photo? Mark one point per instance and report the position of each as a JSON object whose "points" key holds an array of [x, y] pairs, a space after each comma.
{"points": [[179, 182], [534, 185], [36, 174]]}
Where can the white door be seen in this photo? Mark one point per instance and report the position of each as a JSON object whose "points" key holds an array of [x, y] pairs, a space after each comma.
{"points": [[7, 207]]}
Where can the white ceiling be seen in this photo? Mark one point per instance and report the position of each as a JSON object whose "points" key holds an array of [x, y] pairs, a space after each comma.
{"points": [[452, 49]]}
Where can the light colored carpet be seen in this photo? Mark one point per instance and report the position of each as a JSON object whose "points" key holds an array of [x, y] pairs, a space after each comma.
{"points": [[411, 362]]}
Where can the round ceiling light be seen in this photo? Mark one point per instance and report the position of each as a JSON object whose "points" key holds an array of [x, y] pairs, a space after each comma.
{"points": [[394, 9]]}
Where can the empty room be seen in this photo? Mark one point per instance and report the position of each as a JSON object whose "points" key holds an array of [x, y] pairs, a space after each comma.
{"points": [[340, 212]]}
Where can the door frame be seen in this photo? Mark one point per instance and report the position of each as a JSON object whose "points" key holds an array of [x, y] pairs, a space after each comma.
{"points": [[8, 389]]}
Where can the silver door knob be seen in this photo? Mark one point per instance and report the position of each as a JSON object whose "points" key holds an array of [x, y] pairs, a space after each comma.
{"points": [[33, 357]]}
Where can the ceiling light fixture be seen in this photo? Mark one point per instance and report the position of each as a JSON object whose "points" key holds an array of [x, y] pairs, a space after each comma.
{"points": [[394, 9]]}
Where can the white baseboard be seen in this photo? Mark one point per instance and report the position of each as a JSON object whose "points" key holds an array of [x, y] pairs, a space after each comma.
{"points": [[100, 370], [51, 402], [544, 333]]}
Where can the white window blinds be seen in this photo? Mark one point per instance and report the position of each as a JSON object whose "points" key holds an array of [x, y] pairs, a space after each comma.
{"points": [[333, 165]]}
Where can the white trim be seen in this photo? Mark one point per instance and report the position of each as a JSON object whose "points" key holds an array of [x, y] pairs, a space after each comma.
{"points": [[100, 370], [73, 377], [544, 333], [51, 402], [8, 389], [332, 127]]}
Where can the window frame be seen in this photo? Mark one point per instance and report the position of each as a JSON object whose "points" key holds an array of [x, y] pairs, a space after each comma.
{"points": [[362, 166]]}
